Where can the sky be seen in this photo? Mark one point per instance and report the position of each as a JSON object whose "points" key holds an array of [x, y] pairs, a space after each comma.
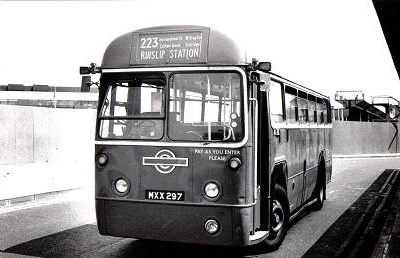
{"points": [[324, 45]]}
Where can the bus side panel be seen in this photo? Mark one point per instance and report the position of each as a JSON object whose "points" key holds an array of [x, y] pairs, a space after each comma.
{"points": [[303, 161], [321, 145], [313, 161], [329, 140], [295, 184], [286, 147]]}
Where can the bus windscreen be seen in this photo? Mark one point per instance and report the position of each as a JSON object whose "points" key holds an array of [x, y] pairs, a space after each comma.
{"points": [[133, 109], [205, 107]]}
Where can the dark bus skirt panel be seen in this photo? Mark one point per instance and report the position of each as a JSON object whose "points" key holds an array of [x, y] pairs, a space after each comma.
{"points": [[177, 223]]}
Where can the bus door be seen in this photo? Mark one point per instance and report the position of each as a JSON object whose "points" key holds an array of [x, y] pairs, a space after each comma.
{"points": [[263, 152]]}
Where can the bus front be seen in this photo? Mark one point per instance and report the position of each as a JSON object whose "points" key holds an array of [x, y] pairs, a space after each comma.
{"points": [[173, 151]]}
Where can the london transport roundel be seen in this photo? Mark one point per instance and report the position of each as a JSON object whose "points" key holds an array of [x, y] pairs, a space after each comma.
{"points": [[165, 161]]}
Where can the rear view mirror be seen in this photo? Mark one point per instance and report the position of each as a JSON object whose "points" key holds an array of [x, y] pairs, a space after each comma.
{"points": [[84, 70], [86, 83], [264, 67], [93, 68]]}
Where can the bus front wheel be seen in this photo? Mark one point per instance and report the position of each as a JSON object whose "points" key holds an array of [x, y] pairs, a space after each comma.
{"points": [[279, 218]]}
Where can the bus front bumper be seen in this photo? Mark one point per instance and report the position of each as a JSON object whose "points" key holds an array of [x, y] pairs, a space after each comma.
{"points": [[174, 222]]}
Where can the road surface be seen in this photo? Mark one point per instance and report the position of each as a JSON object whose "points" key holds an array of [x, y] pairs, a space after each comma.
{"points": [[66, 228]]}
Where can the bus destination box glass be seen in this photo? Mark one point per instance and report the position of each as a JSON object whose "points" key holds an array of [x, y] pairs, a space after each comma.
{"points": [[176, 47]]}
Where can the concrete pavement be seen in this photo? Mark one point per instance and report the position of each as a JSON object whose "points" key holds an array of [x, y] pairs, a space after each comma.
{"points": [[355, 233], [388, 244], [31, 182]]}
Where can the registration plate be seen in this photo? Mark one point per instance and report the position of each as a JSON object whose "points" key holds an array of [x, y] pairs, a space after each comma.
{"points": [[165, 195]]}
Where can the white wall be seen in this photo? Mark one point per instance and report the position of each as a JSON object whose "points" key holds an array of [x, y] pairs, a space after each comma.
{"points": [[39, 134]]}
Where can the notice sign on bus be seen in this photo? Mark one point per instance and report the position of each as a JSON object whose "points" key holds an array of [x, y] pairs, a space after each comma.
{"points": [[174, 48]]}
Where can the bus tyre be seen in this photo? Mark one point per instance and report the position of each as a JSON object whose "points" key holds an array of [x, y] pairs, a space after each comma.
{"points": [[319, 194], [279, 218]]}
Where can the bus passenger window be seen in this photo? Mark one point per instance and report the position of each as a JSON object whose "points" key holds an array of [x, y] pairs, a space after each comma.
{"points": [[276, 102], [312, 109], [303, 109], [328, 109], [320, 111], [312, 112], [291, 105], [325, 112]]}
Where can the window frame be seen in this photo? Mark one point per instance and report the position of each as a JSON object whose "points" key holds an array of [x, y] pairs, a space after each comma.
{"points": [[302, 95], [313, 99], [108, 79], [289, 90], [283, 107], [132, 117], [241, 101], [320, 102]]}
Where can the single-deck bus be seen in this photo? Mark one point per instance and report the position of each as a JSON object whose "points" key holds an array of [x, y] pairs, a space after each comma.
{"points": [[196, 144]]}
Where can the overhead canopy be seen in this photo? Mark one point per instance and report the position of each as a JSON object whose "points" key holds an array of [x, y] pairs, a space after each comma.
{"points": [[389, 16]]}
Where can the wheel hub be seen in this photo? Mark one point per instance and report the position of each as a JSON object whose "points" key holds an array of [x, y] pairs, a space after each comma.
{"points": [[277, 213]]}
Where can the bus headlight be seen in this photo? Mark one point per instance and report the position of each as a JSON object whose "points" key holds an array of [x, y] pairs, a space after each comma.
{"points": [[102, 160], [235, 162], [212, 190], [121, 185], [211, 226]]}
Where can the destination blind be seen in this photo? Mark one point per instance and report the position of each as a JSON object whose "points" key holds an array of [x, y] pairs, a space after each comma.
{"points": [[174, 47]]}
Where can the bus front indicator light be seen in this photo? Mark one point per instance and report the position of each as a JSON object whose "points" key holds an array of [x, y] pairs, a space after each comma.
{"points": [[211, 226], [212, 190], [121, 185], [102, 160], [235, 162]]}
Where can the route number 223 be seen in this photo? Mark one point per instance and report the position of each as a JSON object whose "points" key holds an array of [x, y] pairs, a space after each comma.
{"points": [[149, 42]]}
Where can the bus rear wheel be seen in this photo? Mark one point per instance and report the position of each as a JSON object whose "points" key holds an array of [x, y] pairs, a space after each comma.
{"points": [[279, 219], [320, 190]]}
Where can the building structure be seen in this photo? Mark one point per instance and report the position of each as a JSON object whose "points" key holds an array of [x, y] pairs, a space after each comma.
{"points": [[357, 108], [48, 96]]}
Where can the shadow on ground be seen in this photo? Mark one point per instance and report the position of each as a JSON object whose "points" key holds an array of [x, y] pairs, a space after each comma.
{"points": [[85, 241]]}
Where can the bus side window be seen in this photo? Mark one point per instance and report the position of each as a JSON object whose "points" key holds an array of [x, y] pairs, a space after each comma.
{"points": [[320, 111], [303, 109], [276, 102], [328, 109], [312, 109], [291, 105], [325, 113]]}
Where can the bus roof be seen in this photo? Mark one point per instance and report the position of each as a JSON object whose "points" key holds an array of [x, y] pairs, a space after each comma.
{"points": [[173, 46], [277, 77]]}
